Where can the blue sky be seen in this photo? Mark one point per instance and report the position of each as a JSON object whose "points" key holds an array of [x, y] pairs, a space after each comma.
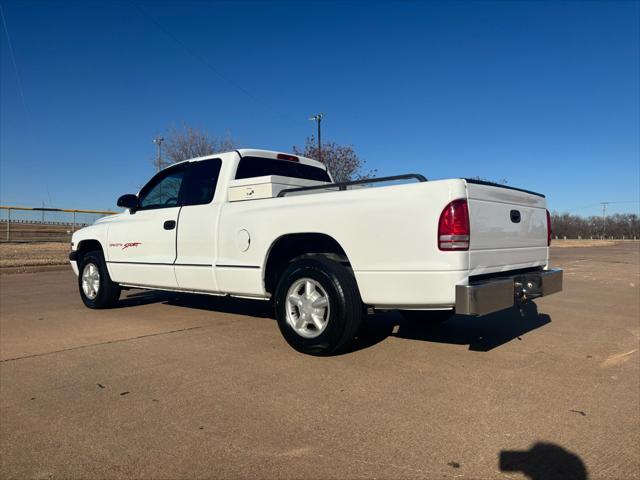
{"points": [[543, 94]]}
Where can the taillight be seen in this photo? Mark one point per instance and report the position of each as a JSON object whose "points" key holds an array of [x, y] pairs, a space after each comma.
{"points": [[453, 227], [548, 229], [286, 156]]}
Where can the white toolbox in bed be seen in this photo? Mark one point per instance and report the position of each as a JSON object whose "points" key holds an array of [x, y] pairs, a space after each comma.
{"points": [[268, 186]]}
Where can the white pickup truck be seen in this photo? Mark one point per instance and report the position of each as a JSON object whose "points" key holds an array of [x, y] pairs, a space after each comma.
{"points": [[274, 226]]}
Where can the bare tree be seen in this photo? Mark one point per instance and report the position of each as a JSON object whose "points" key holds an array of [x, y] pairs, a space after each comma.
{"points": [[191, 142], [341, 160], [618, 225]]}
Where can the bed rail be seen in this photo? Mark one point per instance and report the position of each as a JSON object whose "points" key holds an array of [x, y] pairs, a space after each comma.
{"points": [[343, 185]]}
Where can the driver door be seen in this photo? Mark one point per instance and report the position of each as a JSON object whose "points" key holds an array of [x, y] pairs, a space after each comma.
{"points": [[141, 245]]}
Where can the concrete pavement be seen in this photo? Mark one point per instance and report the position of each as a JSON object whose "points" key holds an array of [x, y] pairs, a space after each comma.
{"points": [[183, 386]]}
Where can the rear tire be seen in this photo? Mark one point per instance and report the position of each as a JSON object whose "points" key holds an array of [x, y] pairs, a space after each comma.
{"points": [[318, 306], [95, 285]]}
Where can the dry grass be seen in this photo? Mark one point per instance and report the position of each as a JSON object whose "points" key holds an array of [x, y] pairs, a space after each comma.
{"points": [[583, 243], [33, 254]]}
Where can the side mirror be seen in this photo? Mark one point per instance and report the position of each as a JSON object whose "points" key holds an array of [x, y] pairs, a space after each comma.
{"points": [[129, 201]]}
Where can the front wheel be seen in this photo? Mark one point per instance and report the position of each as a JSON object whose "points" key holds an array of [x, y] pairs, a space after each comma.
{"points": [[318, 306], [95, 285]]}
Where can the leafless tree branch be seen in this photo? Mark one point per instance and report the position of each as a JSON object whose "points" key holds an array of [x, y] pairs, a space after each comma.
{"points": [[341, 160], [192, 142]]}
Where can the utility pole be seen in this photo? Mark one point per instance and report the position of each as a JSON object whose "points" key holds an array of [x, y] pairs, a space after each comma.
{"points": [[318, 118], [158, 141], [604, 218]]}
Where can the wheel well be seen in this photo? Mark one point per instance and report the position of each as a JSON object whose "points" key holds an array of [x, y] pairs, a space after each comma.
{"points": [[88, 246], [288, 247]]}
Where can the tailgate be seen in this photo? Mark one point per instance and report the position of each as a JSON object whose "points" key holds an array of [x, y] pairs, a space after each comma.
{"points": [[508, 228]]}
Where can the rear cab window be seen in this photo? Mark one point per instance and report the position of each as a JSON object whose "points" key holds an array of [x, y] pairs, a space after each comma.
{"points": [[250, 167], [201, 181]]}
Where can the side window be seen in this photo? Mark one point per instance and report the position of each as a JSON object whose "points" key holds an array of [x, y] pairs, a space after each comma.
{"points": [[201, 181], [258, 167], [163, 191]]}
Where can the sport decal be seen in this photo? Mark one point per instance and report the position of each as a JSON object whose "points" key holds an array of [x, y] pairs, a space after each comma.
{"points": [[126, 245]]}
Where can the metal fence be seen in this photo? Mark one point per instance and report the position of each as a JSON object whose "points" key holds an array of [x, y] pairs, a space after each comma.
{"points": [[27, 224]]}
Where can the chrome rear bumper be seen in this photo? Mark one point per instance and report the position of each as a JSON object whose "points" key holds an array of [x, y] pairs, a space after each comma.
{"points": [[493, 294]]}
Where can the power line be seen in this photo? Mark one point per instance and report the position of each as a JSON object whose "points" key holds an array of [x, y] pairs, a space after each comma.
{"points": [[582, 208], [23, 98], [206, 63], [13, 60], [599, 203]]}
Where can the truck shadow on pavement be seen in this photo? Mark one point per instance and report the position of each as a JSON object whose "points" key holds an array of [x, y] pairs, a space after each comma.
{"points": [[480, 333], [544, 461], [239, 306]]}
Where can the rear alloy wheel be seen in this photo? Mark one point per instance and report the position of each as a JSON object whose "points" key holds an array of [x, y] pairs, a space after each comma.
{"points": [[318, 306], [95, 285], [308, 308]]}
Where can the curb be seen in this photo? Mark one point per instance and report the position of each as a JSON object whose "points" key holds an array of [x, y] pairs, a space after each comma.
{"points": [[33, 269]]}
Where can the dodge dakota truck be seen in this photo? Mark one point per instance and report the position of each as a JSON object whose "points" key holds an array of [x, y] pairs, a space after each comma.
{"points": [[275, 226]]}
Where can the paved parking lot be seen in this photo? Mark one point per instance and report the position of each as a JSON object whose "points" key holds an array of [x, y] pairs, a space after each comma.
{"points": [[177, 386]]}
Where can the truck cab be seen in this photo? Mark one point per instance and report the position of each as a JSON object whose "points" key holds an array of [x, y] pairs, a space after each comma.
{"points": [[168, 236]]}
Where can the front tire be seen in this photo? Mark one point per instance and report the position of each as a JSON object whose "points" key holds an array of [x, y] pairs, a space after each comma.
{"points": [[318, 306], [95, 285]]}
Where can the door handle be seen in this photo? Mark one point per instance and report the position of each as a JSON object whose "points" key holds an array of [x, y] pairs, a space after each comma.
{"points": [[169, 224]]}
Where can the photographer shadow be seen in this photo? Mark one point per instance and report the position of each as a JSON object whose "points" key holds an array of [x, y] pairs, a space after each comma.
{"points": [[544, 461]]}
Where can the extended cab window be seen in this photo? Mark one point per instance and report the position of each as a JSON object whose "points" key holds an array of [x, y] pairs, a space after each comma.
{"points": [[201, 181], [163, 191], [258, 167]]}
